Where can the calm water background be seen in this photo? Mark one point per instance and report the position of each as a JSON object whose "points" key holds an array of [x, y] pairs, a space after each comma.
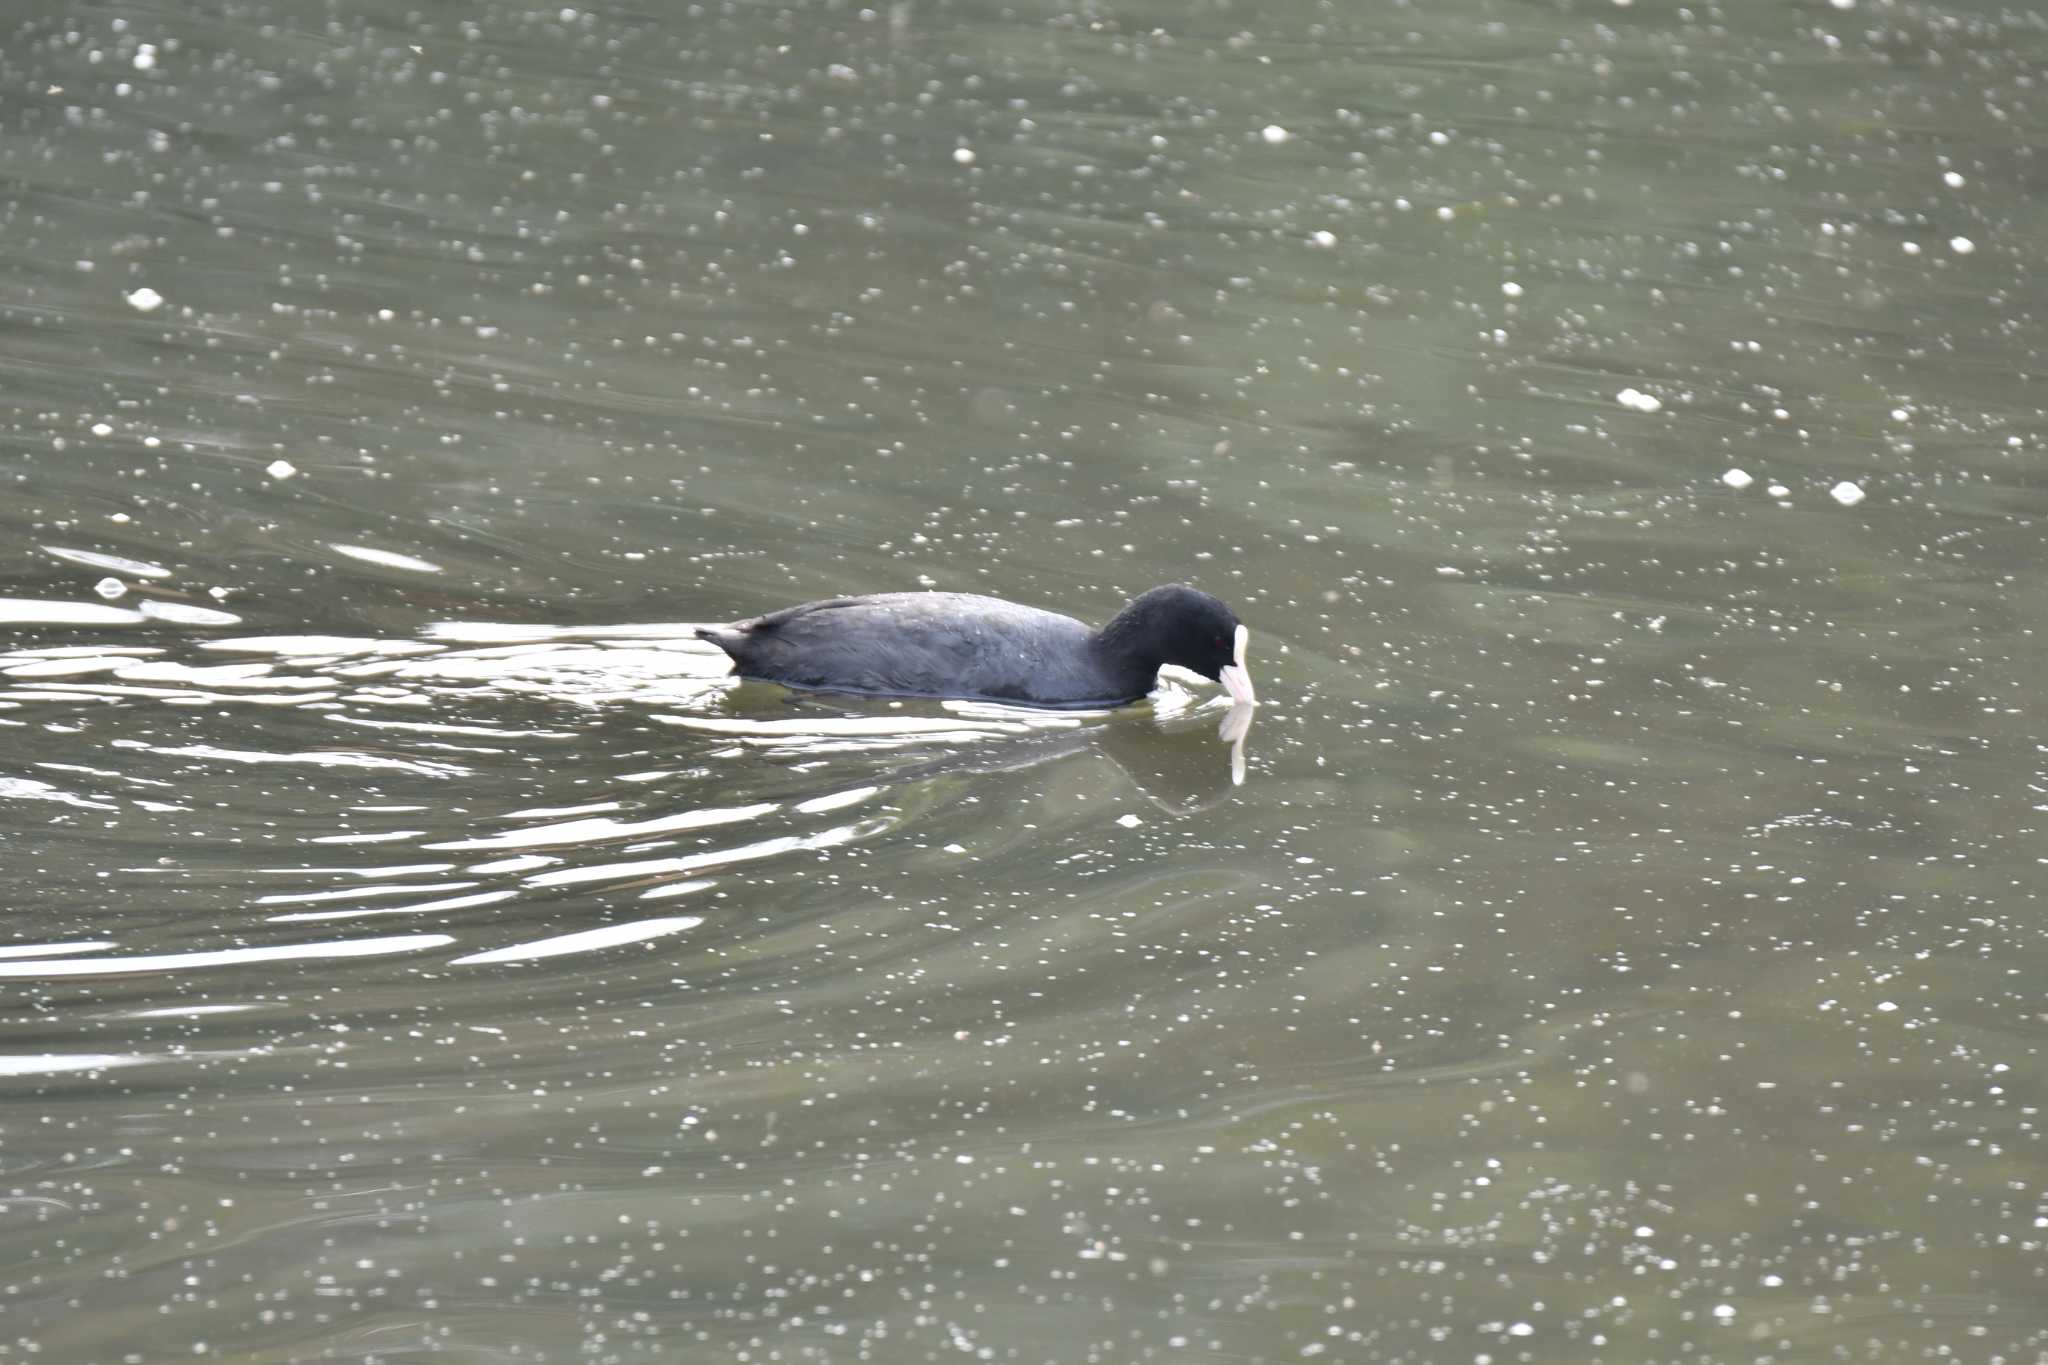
{"points": [[1626, 943]]}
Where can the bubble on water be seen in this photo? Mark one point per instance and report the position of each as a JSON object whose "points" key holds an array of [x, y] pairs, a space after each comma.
{"points": [[1953, 179], [1638, 401], [964, 155], [1962, 246], [1846, 493], [110, 588], [1323, 237], [1511, 289], [1274, 134], [280, 469], [1737, 478], [145, 300]]}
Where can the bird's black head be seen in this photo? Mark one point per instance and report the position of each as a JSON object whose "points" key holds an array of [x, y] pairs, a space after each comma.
{"points": [[1180, 625]]}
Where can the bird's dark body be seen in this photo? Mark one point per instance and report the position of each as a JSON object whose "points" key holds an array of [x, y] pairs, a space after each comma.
{"points": [[934, 644]]}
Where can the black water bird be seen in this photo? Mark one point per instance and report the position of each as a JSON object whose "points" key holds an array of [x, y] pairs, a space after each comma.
{"points": [[950, 644]]}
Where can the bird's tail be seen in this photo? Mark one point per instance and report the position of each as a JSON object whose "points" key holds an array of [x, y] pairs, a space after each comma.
{"points": [[725, 637]]}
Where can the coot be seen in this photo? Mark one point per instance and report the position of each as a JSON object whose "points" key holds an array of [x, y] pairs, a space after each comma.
{"points": [[951, 644]]}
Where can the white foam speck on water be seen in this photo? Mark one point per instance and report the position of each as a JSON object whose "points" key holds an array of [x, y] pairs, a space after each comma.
{"points": [[390, 559], [145, 300], [1638, 401], [110, 588], [587, 940], [1737, 478], [280, 469], [1846, 493], [1274, 134], [1129, 821]]}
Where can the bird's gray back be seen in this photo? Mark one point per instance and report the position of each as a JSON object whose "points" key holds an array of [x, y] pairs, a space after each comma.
{"points": [[923, 644]]}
